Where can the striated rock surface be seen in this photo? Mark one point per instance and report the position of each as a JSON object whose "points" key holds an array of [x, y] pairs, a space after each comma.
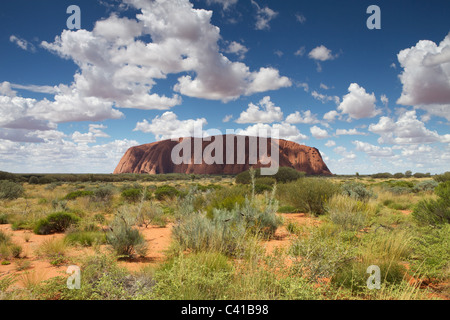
{"points": [[156, 157]]}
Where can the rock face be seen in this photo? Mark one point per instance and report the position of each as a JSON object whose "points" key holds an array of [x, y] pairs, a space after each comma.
{"points": [[156, 157]]}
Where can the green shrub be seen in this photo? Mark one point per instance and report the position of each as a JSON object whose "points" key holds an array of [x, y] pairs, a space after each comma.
{"points": [[261, 188], [102, 279], [86, 238], [22, 225], [3, 218], [199, 276], [124, 238], [166, 192], [293, 227], [78, 194], [211, 186], [288, 209], [53, 185], [151, 214], [132, 195], [266, 180], [434, 212], [7, 176], [200, 233], [284, 174], [16, 250], [400, 190], [442, 177], [103, 193], [55, 223], [226, 230], [421, 175], [10, 190], [33, 180], [308, 194], [349, 220], [354, 275], [4, 238], [382, 175], [431, 252], [357, 190], [425, 186], [400, 206], [100, 218], [7, 248], [320, 255], [227, 198]]}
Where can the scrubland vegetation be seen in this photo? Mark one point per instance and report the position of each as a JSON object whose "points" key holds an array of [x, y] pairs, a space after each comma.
{"points": [[221, 229]]}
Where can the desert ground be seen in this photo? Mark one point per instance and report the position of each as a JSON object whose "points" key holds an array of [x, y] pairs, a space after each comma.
{"points": [[224, 237]]}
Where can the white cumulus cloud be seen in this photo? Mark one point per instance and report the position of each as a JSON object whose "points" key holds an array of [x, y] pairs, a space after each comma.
{"points": [[266, 112], [167, 126], [358, 104], [426, 77]]}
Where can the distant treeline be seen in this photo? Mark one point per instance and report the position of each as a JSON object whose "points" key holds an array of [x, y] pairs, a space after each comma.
{"points": [[52, 178], [408, 174], [64, 177]]}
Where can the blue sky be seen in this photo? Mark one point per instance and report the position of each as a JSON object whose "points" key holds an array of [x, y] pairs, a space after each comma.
{"points": [[139, 71]]}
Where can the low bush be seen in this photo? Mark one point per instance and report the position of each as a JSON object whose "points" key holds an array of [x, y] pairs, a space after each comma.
{"points": [[308, 194], [55, 223], [399, 190], [151, 214], [199, 233], [103, 193], [102, 279], [382, 175], [54, 250], [199, 276], [399, 175], [348, 220], [78, 194], [284, 174], [442, 177], [166, 192], [227, 198], [22, 225], [425, 186], [86, 238], [4, 238], [357, 191], [320, 255], [354, 275], [33, 180], [421, 175], [431, 254], [124, 238], [261, 188], [10, 190], [385, 249], [434, 212], [132, 195], [9, 250], [225, 230], [209, 187], [3, 218], [288, 209]]}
